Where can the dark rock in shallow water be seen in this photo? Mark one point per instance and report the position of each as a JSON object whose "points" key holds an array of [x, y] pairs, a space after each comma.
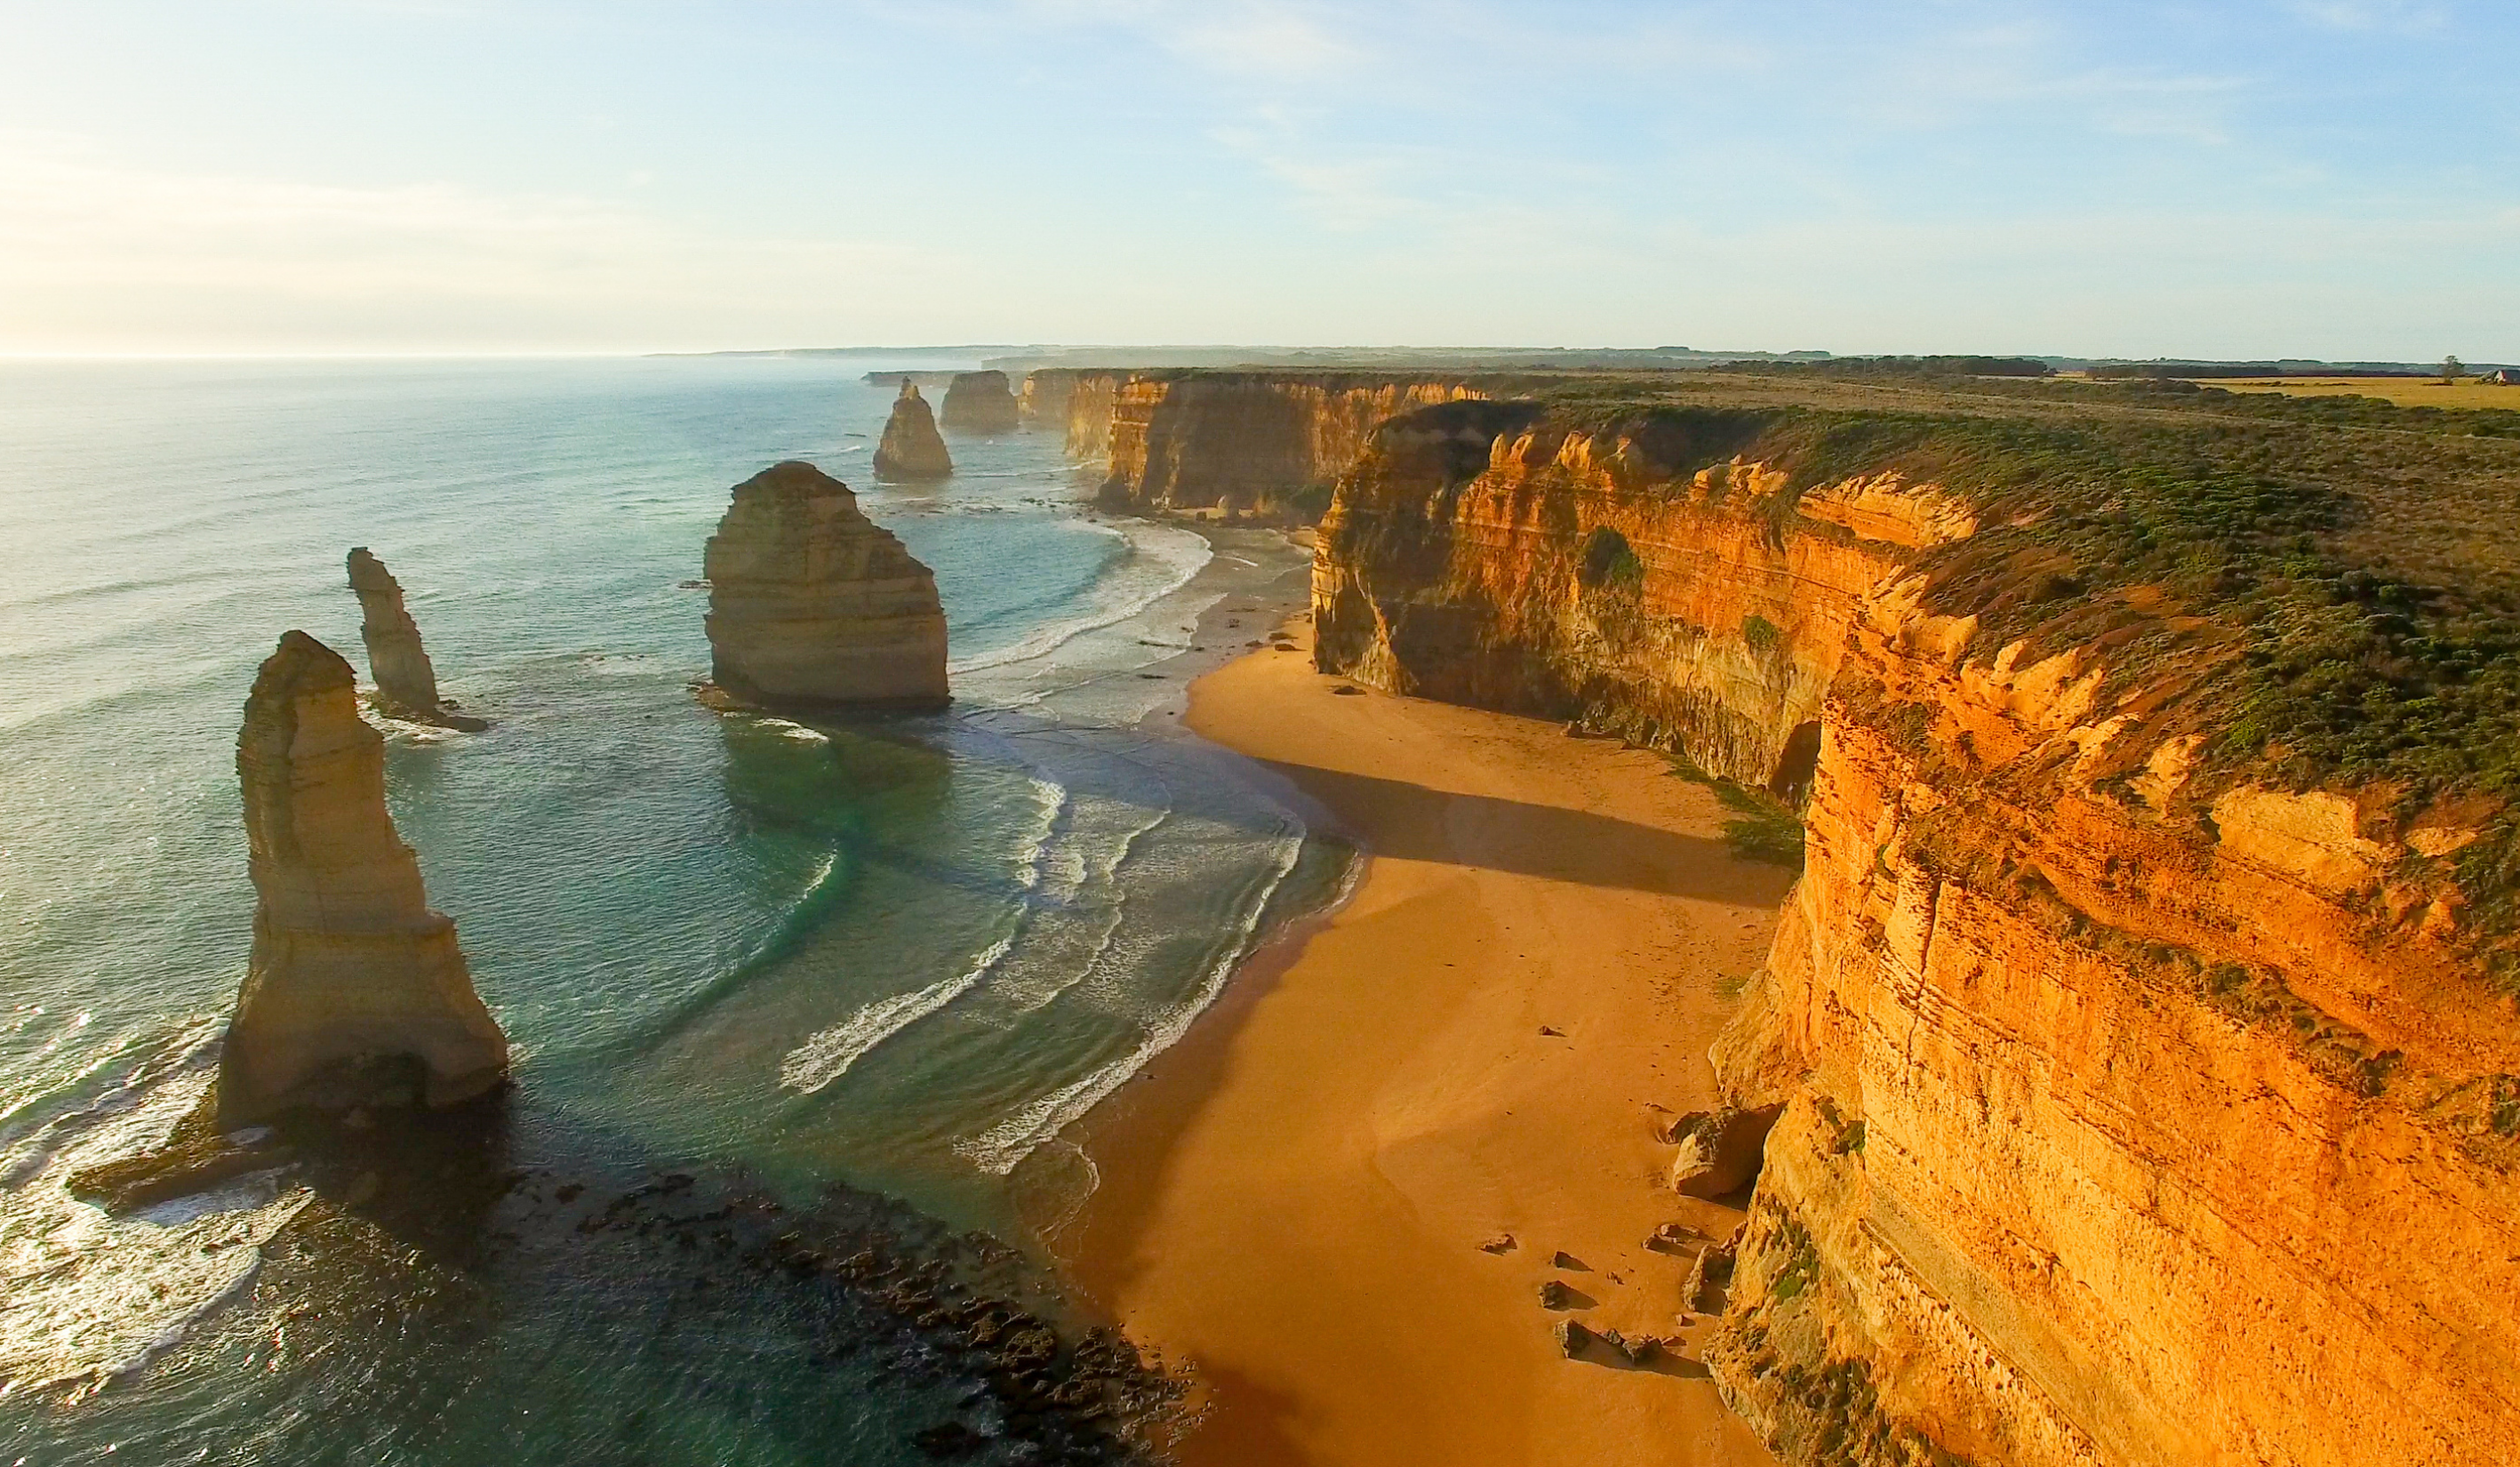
{"points": [[178, 1171], [950, 1438]]}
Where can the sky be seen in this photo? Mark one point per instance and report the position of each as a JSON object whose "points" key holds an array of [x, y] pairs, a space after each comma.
{"points": [[2218, 178]]}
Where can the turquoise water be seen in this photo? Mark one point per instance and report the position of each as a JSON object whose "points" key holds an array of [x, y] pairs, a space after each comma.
{"points": [[900, 954]]}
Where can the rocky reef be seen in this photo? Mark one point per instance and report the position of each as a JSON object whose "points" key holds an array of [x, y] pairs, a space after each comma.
{"points": [[406, 682], [911, 450], [812, 606], [356, 992], [1269, 443], [979, 402], [2144, 1074]]}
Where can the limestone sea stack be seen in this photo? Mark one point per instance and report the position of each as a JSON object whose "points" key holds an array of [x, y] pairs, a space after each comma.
{"points": [[406, 682], [911, 448], [980, 403], [813, 606], [356, 992]]}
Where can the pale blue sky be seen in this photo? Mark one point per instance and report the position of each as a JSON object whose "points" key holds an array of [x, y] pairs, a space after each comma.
{"points": [[2335, 178]]}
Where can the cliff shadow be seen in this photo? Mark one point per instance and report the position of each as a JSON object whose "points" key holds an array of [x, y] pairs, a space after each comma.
{"points": [[1581, 846]]}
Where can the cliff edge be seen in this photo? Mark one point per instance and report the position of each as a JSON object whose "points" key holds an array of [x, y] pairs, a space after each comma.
{"points": [[813, 606], [356, 992], [2142, 1031]]}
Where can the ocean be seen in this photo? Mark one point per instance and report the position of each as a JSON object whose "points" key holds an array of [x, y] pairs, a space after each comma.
{"points": [[883, 961]]}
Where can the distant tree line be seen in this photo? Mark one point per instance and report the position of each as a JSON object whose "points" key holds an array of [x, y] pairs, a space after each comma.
{"points": [[2192, 370], [1901, 366]]}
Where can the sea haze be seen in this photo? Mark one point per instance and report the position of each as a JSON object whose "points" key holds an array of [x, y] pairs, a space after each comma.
{"points": [[899, 954]]}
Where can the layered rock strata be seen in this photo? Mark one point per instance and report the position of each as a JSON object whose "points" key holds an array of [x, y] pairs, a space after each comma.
{"points": [[356, 992], [1091, 398], [910, 449], [1050, 402], [2102, 1142], [1624, 579], [813, 606], [979, 402], [1242, 442], [406, 682], [2131, 1108]]}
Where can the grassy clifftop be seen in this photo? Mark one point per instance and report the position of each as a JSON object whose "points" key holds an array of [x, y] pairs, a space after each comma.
{"points": [[2349, 570]]}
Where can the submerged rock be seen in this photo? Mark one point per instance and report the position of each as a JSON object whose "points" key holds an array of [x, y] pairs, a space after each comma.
{"points": [[356, 992], [814, 605], [980, 403], [406, 682], [910, 449]]}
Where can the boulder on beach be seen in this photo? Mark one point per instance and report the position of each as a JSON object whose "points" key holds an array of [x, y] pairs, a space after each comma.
{"points": [[910, 449], [356, 992], [1720, 1151], [813, 606]]}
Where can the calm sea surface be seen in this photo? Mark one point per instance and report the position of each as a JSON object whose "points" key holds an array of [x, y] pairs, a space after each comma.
{"points": [[900, 954]]}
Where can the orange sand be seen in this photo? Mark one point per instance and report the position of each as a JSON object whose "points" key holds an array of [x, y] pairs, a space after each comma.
{"points": [[1294, 1197]]}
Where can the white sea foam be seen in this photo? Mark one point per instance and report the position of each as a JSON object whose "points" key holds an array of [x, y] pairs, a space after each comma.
{"points": [[797, 731], [827, 1056], [1003, 1147], [1171, 557], [1049, 801]]}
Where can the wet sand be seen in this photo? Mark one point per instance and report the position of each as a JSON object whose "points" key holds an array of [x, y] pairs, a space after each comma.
{"points": [[1295, 1196]]}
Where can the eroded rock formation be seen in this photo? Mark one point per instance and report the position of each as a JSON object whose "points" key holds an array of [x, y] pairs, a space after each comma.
{"points": [[814, 605], [356, 992], [1243, 441], [979, 402], [2141, 1101], [910, 449], [406, 682]]}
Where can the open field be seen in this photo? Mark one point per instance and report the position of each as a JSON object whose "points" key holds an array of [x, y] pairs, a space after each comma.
{"points": [[2404, 391]]}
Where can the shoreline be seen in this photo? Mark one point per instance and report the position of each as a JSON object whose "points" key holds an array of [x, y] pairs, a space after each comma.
{"points": [[1523, 978]]}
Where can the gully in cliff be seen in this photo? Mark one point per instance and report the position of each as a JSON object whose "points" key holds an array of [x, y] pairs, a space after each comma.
{"points": [[910, 449], [406, 682], [814, 607], [979, 402]]}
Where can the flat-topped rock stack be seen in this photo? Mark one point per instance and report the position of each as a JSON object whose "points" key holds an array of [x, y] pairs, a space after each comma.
{"points": [[812, 606], [356, 992], [980, 403], [910, 449], [406, 681]]}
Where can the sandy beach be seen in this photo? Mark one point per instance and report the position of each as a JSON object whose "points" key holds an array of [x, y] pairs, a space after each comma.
{"points": [[1295, 1197]]}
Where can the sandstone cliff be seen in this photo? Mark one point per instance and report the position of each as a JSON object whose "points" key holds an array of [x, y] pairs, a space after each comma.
{"points": [[1050, 402], [979, 402], [1241, 441], [356, 992], [406, 682], [910, 449], [814, 605], [2149, 1091]]}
